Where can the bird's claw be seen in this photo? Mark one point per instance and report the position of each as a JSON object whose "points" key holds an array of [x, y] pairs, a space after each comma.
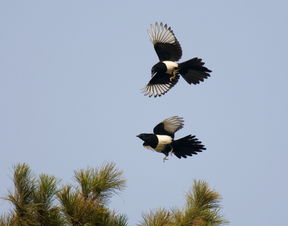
{"points": [[165, 158], [175, 72]]}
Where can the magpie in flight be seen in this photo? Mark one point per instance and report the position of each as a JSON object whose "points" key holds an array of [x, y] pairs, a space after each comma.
{"points": [[162, 140], [165, 74]]}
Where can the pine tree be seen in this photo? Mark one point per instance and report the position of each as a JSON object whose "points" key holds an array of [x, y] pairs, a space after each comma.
{"points": [[202, 209], [39, 201]]}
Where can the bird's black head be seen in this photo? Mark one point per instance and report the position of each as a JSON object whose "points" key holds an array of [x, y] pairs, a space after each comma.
{"points": [[159, 68], [149, 139], [144, 136]]}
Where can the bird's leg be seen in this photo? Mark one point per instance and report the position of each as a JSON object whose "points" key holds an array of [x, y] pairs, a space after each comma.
{"points": [[175, 73], [165, 158]]}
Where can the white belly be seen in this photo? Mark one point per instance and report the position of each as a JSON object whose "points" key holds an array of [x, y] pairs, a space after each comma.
{"points": [[171, 66], [163, 140]]}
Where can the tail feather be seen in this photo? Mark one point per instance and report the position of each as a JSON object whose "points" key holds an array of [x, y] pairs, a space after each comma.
{"points": [[187, 146], [193, 71]]}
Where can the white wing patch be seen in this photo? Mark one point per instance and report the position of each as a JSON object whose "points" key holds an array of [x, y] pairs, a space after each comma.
{"points": [[163, 140], [160, 33], [156, 89], [171, 66], [173, 124]]}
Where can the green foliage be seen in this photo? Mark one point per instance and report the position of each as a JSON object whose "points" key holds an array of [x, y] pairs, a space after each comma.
{"points": [[78, 210], [22, 197], [85, 203], [160, 217], [44, 195], [39, 201], [202, 209], [5, 220], [100, 184]]}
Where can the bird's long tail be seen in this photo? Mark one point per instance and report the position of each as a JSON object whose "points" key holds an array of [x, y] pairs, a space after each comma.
{"points": [[187, 146], [193, 71]]}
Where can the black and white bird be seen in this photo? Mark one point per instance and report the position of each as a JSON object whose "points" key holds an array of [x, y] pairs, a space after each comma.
{"points": [[162, 139], [165, 74]]}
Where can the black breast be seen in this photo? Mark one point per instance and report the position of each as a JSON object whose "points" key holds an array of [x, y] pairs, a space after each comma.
{"points": [[159, 67], [151, 140]]}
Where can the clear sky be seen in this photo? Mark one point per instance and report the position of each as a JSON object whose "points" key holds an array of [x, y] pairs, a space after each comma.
{"points": [[70, 80]]}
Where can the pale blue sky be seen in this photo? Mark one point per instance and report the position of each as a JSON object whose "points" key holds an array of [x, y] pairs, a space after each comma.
{"points": [[70, 80]]}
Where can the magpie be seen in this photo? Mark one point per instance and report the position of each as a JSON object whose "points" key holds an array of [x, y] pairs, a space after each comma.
{"points": [[165, 74], [162, 139]]}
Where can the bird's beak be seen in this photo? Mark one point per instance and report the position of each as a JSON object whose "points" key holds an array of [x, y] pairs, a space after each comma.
{"points": [[139, 136]]}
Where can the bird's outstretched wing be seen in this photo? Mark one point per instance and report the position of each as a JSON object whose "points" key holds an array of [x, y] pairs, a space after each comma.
{"points": [[165, 43], [169, 126], [160, 84]]}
